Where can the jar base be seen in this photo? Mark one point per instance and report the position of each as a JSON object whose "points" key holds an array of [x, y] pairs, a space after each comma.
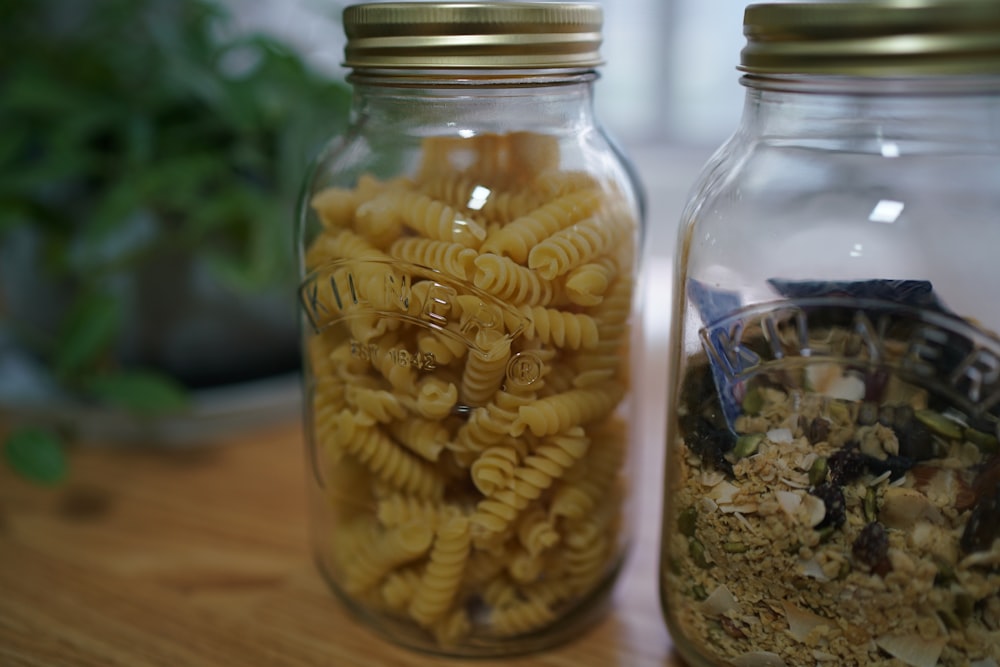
{"points": [[587, 612]]}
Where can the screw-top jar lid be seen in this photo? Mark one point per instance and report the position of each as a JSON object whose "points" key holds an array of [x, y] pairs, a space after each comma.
{"points": [[873, 38], [473, 35]]}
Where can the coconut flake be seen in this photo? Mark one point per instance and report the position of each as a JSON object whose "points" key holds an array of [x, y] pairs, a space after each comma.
{"points": [[759, 659], [811, 568], [789, 502], [723, 493], [848, 388], [719, 602], [780, 436], [914, 650], [802, 621]]}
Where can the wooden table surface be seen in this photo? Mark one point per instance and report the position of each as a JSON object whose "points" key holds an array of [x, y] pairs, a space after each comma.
{"points": [[199, 556]]}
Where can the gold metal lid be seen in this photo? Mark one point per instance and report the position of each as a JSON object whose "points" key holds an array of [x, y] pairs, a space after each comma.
{"points": [[873, 38], [473, 35]]}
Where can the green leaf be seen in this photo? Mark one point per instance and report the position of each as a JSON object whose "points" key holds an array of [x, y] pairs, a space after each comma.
{"points": [[37, 455], [89, 331], [142, 392]]}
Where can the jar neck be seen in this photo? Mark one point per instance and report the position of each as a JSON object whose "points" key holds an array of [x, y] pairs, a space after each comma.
{"points": [[927, 114], [552, 98]]}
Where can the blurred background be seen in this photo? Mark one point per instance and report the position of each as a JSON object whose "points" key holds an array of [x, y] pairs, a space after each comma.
{"points": [[150, 155]]}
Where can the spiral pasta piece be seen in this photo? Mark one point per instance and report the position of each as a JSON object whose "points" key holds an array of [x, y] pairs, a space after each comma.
{"points": [[443, 576], [537, 532], [485, 372], [337, 244], [533, 611], [569, 248], [377, 553], [453, 258], [382, 406], [510, 281], [398, 509], [423, 437], [386, 459], [438, 221], [587, 283], [435, 398], [557, 413], [564, 329], [546, 464], [518, 238], [494, 469]]}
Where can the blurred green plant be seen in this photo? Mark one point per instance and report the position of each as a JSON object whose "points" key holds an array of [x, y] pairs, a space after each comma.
{"points": [[134, 127]]}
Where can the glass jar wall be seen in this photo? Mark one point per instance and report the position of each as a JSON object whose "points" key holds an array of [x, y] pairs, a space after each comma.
{"points": [[469, 257], [832, 487]]}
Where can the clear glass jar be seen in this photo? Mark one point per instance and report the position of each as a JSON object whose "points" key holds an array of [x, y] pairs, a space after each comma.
{"points": [[832, 490], [469, 256]]}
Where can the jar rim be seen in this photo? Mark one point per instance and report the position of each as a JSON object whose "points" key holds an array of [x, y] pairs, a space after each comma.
{"points": [[876, 39], [473, 35]]}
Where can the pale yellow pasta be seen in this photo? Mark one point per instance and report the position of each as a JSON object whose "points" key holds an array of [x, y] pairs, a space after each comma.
{"points": [[564, 329], [341, 244], [509, 281], [482, 200], [570, 248], [559, 412], [576, 499], [395, 364], [454, 259], [537, 532], [587, 283], [494, 468], [423, 437], [466, 376], [491, 424], [383, 406], [398, 588], [336, 206], [397, 509], [443, 576], [435, 397], [525, 568], [531, 153], [387, 460], [376, 553], [436, 220], [606, 360], [485, 372], [557, 182], [527, 482], [518, 238], [534, 610], [452, 627]]}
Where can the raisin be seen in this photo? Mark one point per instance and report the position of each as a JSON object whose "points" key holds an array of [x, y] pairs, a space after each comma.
{"points": [[915, 440], [836, 506], [710, 444], [871, 547], [846, 465], [896, 466]]}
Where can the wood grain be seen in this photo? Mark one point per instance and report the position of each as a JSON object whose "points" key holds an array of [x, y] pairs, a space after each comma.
{"points": [[198, 557]]}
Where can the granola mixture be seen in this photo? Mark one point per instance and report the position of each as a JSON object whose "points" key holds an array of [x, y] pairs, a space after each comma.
{"points": [[829, 529]]}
